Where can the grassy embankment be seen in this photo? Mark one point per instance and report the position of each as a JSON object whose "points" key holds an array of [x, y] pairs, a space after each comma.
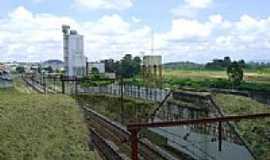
{"points": [[34, 126], [256, 132]]}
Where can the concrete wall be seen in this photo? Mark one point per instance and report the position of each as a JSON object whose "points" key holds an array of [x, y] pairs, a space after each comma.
{"points": [[152, 60]]}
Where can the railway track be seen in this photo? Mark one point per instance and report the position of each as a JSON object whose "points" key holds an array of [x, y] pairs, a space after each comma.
{"points": [[36, 86], [119, 135]]}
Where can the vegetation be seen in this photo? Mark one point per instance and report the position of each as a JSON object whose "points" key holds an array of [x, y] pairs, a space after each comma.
{"points": [[94, 80], [183, 66], [41, 127], [110, 106], [235, 73], [202, 79], [256, 132], [20, 69], [219, 69], [127, 67]]}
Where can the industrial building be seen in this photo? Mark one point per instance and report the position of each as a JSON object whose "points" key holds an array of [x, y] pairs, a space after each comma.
{"points": [[98, 65], [152, 70], [74, 59]]}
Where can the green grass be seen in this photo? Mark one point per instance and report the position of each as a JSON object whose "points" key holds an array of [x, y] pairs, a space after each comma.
{"points": [[249, 76], [254, 131], [203, 79], [39, 127]]}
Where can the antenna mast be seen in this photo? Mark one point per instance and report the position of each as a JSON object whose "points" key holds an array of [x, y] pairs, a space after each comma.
{"points": [[152, 41]]}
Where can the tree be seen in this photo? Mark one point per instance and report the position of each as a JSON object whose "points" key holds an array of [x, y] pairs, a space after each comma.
{"points": [[235, 73], [20, 69], [95, 73], [227, 61], [137, 65], [50, 69], [219, 64], [127, 69], [94, 70], [242, 63]]}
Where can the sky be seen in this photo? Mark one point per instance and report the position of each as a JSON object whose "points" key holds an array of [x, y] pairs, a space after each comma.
{"points": [[180, 30]]}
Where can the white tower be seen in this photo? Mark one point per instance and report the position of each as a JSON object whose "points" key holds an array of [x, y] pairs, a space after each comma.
{"points": [[75, 61]]}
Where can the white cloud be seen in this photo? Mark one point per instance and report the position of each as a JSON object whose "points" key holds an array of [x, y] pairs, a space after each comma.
{"points": [[28, 36], [135, 19], [104, 4], [189, 39], [39, 1], [191, 8], [217, 19], [184, 29], [199, 3]]}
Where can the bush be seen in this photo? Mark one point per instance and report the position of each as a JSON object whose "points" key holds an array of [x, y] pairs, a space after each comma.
{"points": [[20, 69], [235, 73]]}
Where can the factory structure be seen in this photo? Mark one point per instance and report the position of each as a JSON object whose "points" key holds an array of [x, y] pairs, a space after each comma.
{"points": [[152, 70], [74, 59], [76, 65]]}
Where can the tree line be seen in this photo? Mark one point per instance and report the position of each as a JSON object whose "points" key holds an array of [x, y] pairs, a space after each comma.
{"points": [[127, 67]]}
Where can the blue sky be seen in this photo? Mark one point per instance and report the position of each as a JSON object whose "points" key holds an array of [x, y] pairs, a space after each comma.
{"points": [[184, 30]]}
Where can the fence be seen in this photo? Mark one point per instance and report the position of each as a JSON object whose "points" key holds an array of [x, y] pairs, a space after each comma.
{"points": [[149, 94]]}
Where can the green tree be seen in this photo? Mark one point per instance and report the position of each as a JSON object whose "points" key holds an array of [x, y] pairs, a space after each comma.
{"points": [[95, 73], [235, 73], [227, 61], [242, 63], [137, 65], [94, 70], [50, 69], [127, 69], [20, 69]]}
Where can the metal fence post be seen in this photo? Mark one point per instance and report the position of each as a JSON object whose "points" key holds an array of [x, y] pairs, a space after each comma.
{"points": [[63, 85]]}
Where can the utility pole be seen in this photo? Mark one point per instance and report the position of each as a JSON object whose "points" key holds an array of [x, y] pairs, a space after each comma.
{"points": [[122, 97], [152, 41]]}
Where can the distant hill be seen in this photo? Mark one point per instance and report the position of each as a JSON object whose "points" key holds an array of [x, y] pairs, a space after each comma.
{"points": [[183, 65], [53, 61]]}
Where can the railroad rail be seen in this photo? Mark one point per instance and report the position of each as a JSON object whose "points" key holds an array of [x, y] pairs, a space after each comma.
{"points": [[104, 148], [31, 84], [37, 86], [148, 150]]}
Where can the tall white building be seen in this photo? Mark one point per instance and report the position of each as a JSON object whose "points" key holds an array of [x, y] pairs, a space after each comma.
{"points": [[74, 59]]}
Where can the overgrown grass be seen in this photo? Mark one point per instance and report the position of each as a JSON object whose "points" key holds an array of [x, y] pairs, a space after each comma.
{"points": [[256, 132], [249, 75], [215, 83], [34, 126]]}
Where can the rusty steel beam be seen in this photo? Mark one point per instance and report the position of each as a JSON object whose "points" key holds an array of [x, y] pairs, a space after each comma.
{"points": [[132, 126]]}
